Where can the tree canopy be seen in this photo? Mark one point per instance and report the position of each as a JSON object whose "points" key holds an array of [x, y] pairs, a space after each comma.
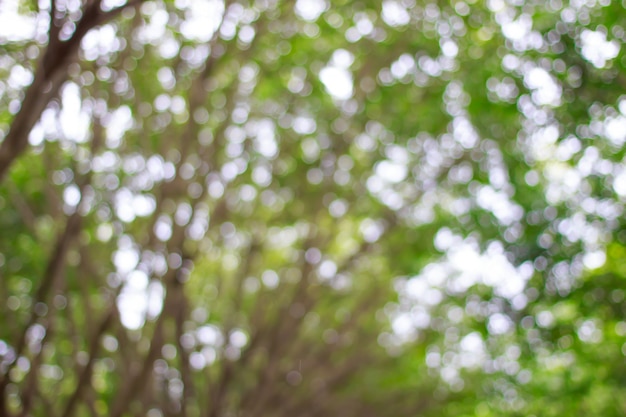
{"points": [[226, 208]]}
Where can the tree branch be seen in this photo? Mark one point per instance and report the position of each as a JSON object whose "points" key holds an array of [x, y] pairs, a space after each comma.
{"points": [[84, 379], [49, 77]]}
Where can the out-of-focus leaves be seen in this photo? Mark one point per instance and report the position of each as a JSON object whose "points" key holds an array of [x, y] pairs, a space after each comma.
{"points": [[317, 208]]}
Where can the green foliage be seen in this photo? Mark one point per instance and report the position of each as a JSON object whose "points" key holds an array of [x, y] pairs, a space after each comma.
{"points": [[314, 208]]}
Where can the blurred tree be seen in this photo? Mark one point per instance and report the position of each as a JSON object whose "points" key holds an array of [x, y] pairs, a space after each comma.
{"points": [[232, 208]]}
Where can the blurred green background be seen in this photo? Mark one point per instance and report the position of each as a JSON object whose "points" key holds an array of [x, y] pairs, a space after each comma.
{"points": [[312, 208]]}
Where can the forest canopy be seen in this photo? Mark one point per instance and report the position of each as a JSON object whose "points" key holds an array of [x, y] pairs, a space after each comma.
{"points": [[232, 208]]}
